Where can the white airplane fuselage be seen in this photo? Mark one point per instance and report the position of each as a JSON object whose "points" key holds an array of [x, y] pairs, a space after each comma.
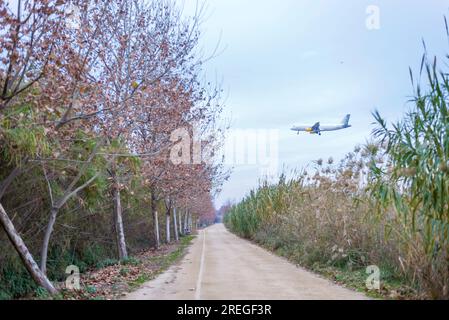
{"points": [[318, 128], [327, 127]]}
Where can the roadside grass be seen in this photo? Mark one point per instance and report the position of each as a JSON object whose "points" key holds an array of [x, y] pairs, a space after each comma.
{"points": [[164, 261], [113, 279], [392, 284]]}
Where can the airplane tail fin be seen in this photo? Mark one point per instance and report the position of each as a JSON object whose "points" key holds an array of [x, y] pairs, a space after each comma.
{"points": [[345, 121]]}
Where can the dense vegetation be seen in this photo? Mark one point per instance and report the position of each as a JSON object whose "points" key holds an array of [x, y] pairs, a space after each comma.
{"points": [[385, 204], [98, 104]]}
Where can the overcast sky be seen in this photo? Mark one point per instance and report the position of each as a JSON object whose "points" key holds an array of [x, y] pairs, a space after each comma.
{"points": [[304, 61]]}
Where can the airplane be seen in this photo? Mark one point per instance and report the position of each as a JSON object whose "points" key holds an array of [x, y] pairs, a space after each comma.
{"points": [[317, 128]]}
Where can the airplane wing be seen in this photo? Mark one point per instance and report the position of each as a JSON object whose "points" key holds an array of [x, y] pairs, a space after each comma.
{"points": [[316, 127]]}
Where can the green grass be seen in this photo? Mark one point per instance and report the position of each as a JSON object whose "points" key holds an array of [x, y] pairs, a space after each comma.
{"points": [[106, 263], [176, 255], [350, 277], [15, 282], [140, 281], [355, 279], [163, 262], [131, 261]]}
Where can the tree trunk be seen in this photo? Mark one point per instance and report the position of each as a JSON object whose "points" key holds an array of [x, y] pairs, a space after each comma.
{"points": [[155, 221], [186, 221], [7, 182], [180, 224], [175, 225], [156, 229], [118, 219], [167, 225], [55, 207], [38, 276], [46, 241]]}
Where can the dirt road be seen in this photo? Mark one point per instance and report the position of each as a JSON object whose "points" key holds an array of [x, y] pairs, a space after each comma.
{"points": [[221, 266]]}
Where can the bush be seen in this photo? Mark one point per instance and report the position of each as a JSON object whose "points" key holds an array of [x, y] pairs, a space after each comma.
{"points": [[15, 282]]}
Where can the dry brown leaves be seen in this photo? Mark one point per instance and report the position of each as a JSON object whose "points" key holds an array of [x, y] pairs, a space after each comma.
{"points": [[116, 281]]}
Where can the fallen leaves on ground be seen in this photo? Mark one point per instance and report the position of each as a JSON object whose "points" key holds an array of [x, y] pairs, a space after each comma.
{"points": [[117, 280]]}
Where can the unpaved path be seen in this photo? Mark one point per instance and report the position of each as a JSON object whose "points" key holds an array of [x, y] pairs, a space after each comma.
{"points": [[221, 266]]}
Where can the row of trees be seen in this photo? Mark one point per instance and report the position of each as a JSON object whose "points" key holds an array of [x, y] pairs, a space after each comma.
{"points": [[102, 97]]}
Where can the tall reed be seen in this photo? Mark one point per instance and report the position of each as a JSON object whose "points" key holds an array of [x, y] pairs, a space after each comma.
{"points": [[386, 203]]}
